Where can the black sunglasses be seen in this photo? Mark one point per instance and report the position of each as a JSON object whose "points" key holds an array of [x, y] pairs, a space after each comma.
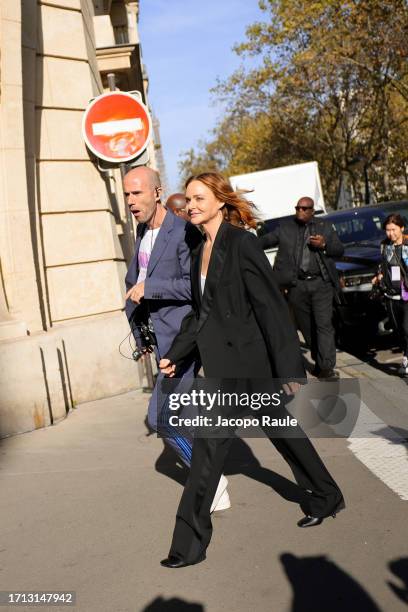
{"points": [[304, 208]]}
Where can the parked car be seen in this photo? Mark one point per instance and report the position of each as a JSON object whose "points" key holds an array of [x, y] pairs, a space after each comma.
{"points": [[360, 230]]}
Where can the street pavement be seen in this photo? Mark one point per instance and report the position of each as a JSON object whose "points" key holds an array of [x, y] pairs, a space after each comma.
{"points": [[89, 505]]}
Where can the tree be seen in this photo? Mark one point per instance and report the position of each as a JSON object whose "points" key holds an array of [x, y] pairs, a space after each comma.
{"points": [[331, 85], [193, 163]]}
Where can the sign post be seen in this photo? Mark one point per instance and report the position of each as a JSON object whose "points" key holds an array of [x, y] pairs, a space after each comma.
{"points": [[117, 128]]}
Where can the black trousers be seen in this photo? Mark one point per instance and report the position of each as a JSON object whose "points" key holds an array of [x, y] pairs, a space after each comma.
{"points": [[312, 304], [398, 313], [193, 528]]}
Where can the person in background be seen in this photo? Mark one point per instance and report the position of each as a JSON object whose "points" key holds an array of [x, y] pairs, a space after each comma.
{"points": [[304, 265], [177, 204], [393, 275]]}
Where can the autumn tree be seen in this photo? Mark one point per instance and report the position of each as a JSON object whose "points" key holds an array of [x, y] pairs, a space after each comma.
{"points": [[331, 84]]}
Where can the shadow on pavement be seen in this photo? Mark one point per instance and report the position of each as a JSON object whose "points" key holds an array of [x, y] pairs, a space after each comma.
{"points": [[401, 433], [399, 568], [241, 460], [387, 368], [308, 365], [379, 344], [319, 585], [149, 430], [172, 605], [170, 465]]}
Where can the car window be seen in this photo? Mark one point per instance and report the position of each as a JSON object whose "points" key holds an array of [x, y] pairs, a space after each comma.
{"points": [[365, 225], [359, 226]]}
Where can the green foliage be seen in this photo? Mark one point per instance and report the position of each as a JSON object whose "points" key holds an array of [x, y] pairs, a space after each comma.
{"points": [[195, 163], [331, 84]]}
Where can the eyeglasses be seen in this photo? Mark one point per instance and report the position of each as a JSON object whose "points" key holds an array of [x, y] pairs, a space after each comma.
{"points": [[304, 208]]}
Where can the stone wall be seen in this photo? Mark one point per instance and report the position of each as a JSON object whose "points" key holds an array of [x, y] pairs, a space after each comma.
{"points": [[64, 235]]}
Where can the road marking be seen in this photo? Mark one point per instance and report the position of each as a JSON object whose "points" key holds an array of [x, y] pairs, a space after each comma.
{"points": [[382, 450]]}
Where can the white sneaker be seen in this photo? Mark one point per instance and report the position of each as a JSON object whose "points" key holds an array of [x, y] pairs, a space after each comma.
{"points": [[403, 370], [221, 497], [224, 502]]}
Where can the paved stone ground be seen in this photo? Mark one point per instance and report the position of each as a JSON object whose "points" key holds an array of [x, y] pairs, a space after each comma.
{"points": [[89, 505]]}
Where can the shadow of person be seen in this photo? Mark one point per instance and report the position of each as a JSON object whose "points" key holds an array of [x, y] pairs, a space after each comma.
{"points": [[307, 363], [319, 585], [170, 465], [241, 460], [399, 568], [388, 368], [172, 605], [373, 355], [149, 430], [394, 435]]}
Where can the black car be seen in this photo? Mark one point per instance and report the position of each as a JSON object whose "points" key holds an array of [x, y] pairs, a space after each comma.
{"points": [[361, 232]]}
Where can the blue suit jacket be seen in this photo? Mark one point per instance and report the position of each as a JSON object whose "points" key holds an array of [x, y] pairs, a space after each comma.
{"points": [[167, 294]]}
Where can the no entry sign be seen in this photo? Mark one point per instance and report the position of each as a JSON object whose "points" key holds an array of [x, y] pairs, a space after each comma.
{"points": [[116, 126]]}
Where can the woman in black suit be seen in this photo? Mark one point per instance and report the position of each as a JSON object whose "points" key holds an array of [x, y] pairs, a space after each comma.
{"points": [[241, 327]]}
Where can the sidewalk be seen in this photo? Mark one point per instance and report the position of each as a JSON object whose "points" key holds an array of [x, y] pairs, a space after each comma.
{"points": [[385, 394], [351, 366], [84, 508]]}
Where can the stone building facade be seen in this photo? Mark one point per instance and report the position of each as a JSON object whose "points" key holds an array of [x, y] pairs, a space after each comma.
{"points": [[65, 233]]}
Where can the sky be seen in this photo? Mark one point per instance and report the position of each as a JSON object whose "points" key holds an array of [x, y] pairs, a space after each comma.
{"points": [[186, 45]]}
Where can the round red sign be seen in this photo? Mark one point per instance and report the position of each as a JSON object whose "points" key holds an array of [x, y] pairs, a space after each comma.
{"points": [[116, 126]]}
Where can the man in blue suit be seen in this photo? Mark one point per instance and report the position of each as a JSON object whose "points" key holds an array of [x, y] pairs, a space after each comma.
{"points": [[159, 291]]}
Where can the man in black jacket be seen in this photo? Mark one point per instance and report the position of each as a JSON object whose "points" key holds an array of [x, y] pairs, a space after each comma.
{"points": [[304, 266]]}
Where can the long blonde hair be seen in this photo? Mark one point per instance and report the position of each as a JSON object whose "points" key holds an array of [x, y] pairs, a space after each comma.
{"points": [[237, 210]]}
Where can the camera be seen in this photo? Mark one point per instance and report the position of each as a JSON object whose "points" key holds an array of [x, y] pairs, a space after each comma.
{"points": [[148, 338], [142, 328], [148, 335], [137, 354]]}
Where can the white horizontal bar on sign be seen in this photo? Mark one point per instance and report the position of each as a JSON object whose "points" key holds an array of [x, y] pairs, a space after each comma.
{"points": [[108, 128]]}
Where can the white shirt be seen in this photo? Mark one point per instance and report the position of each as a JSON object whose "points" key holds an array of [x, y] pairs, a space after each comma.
{"points": [[145, 250]]}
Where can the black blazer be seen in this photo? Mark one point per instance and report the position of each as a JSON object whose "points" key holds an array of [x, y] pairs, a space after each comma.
{"points": [[286, 237], [241, 325]]}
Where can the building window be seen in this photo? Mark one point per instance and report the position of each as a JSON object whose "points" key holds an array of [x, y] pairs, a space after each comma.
{"points": [[121, 35]]}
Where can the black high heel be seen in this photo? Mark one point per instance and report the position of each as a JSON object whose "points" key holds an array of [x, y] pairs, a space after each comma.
{"points": [[314, 521], [175, 562]]}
